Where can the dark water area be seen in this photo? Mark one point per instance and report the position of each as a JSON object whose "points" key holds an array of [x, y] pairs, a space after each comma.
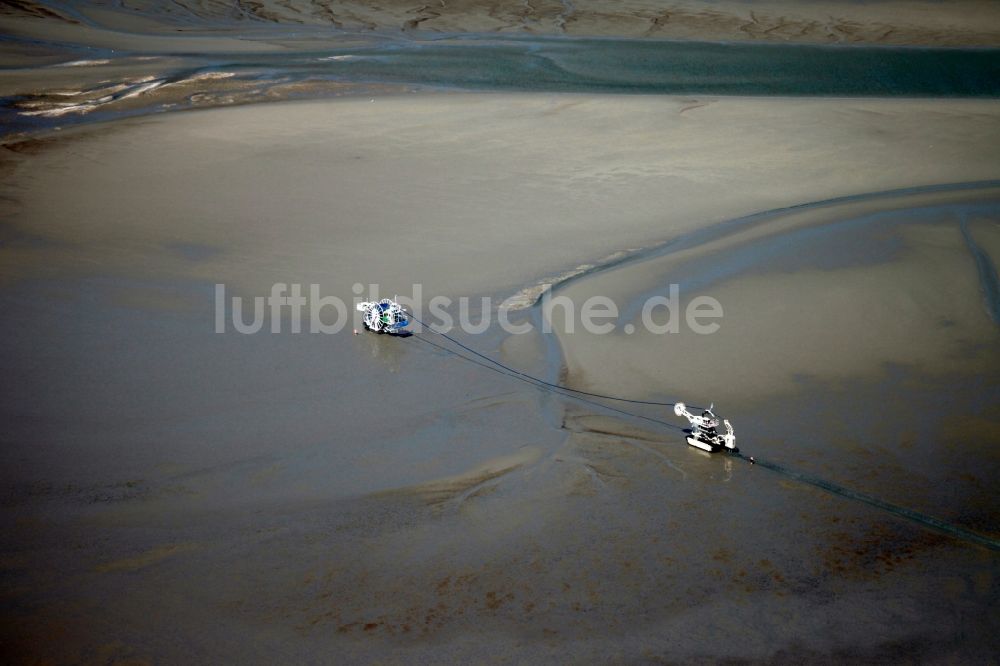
{"points": [[122, 84], [630, 66]]}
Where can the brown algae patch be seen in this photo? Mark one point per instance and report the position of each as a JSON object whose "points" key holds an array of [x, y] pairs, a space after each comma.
{"points": [[474, 482], [145, 559]]}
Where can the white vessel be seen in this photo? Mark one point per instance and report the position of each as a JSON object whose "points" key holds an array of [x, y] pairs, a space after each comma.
{"points": [[704, 433], [385, 316]]}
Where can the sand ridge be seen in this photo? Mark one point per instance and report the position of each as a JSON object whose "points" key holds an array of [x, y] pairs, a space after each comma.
{"points": [[899, 22]]}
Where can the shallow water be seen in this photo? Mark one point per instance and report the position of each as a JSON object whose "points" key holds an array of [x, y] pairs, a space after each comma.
{"points": [[136, 83]]}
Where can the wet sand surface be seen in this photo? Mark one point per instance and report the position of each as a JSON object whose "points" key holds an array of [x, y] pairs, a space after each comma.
{"points": [[170, 494], [176, 495]]}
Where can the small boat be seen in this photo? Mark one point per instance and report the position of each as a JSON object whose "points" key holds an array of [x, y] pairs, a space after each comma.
{"points": [[385, 316], [704, 431]]}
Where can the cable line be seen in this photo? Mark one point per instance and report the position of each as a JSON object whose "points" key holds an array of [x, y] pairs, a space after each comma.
{"points": [[801, 477], [536, 379]]}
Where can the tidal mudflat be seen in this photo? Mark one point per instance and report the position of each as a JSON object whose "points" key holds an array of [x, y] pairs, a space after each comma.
{"points": [[173, 494]]}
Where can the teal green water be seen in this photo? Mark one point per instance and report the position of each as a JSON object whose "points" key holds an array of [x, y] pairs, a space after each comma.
{"points": [[631, 66], [534, 65]]}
